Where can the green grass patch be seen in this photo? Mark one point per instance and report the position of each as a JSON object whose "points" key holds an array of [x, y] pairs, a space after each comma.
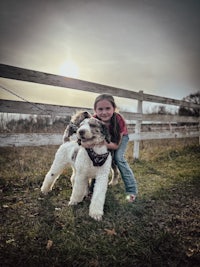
{"points": [[160, 229]]}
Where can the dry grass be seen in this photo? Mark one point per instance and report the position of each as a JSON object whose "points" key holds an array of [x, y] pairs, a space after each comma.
{"points": [[160, 229]]}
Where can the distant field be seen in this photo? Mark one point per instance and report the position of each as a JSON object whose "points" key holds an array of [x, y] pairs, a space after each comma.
{"points": [[160, 229]]}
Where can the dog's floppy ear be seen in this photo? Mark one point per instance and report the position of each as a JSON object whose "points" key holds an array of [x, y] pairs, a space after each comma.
{"points": [[87, 114], [105, 132], [69, 131], [66, 135]]}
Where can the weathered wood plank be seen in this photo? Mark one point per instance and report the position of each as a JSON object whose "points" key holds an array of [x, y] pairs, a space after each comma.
{"points": [[31, 139], [21, 74], [169, 101], [136, 147], [34, 139], [169, 118], [20, 107], [9, 106], [162, 135], [11, 72]]}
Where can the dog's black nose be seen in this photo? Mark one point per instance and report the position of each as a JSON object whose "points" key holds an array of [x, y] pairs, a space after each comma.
{"points": [[82, 132]]}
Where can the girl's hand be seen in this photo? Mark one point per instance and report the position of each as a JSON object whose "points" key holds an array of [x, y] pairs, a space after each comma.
{"points": [[112, 146]]}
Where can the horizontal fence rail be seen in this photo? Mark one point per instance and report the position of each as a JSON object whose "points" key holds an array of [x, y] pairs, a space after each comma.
{"points": [[30, 139], [11, 72], [45, 139], [138, 118], [19, 107]]}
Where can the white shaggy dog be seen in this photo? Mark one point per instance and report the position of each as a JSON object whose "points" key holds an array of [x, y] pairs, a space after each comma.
{"points": [[70, 134], [86, 163]]}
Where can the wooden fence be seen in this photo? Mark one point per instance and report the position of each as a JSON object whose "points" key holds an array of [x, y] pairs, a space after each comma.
{"points": [[15, 73]]}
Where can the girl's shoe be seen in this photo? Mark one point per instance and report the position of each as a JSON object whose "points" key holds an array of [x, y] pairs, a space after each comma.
{"points": [[130, 198]]}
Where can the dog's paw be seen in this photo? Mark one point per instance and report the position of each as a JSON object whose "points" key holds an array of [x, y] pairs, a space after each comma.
{"points": [[45, 190], [114, 182], [95, 216], [72, 203]]}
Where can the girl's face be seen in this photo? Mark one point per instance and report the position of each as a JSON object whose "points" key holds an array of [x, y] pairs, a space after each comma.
{"points": [[104, 110]]}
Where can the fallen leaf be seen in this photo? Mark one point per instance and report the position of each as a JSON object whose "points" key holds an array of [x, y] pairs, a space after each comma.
{"points": [[49, 244], [190, 252], [10, 241], [110, 232]]}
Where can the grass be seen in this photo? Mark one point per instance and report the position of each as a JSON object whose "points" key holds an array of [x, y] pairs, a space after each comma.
{"points": [[160, 229]]}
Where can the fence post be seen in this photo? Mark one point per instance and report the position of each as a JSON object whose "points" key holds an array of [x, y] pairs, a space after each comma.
{"points": [[136, 149]]}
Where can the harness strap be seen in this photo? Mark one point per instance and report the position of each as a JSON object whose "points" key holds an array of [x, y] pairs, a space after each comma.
{"points": [[98, 160]]}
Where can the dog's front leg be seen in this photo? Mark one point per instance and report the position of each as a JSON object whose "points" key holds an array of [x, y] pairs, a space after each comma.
{"points": [[98, 198], [48, 182], [79, 189], [53, 174], [56, 169]]}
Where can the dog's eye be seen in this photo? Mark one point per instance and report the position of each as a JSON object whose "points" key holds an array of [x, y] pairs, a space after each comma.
{"points": [[92, 125]]}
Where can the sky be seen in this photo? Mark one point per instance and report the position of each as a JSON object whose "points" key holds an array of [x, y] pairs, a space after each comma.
{"points": [[149, 45]]}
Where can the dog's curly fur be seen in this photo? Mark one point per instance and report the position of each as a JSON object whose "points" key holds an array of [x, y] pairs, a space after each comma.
{"points": [[92, 132], [72, 127], [70, 134]]}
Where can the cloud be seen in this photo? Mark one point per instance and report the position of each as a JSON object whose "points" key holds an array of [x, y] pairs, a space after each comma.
{"points": [[133, 44]]}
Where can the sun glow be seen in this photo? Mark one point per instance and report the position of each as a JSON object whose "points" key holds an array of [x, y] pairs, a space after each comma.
{"points": [[70, 69]]}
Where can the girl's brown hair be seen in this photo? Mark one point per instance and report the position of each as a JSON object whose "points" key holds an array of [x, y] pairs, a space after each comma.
{"points": [[114, 127]]}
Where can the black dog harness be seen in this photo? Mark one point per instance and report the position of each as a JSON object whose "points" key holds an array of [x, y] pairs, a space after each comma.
{"points": [[98, 160]]}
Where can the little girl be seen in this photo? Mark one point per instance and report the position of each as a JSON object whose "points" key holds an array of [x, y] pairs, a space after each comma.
{"points": [[104, 107]]}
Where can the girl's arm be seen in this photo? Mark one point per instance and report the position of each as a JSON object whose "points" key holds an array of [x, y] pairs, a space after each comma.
{"points": [[111, 145], [114, 146]]}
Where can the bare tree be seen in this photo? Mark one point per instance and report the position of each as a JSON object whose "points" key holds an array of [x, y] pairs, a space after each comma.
{"points": [[185, 111]]}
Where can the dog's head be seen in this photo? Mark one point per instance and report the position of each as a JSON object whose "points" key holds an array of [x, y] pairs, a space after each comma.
{"points": [[93, 132], [75, 121], [79, 117]]}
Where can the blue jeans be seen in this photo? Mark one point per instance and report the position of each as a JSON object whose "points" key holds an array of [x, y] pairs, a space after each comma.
{"points": [[124, 168]]}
